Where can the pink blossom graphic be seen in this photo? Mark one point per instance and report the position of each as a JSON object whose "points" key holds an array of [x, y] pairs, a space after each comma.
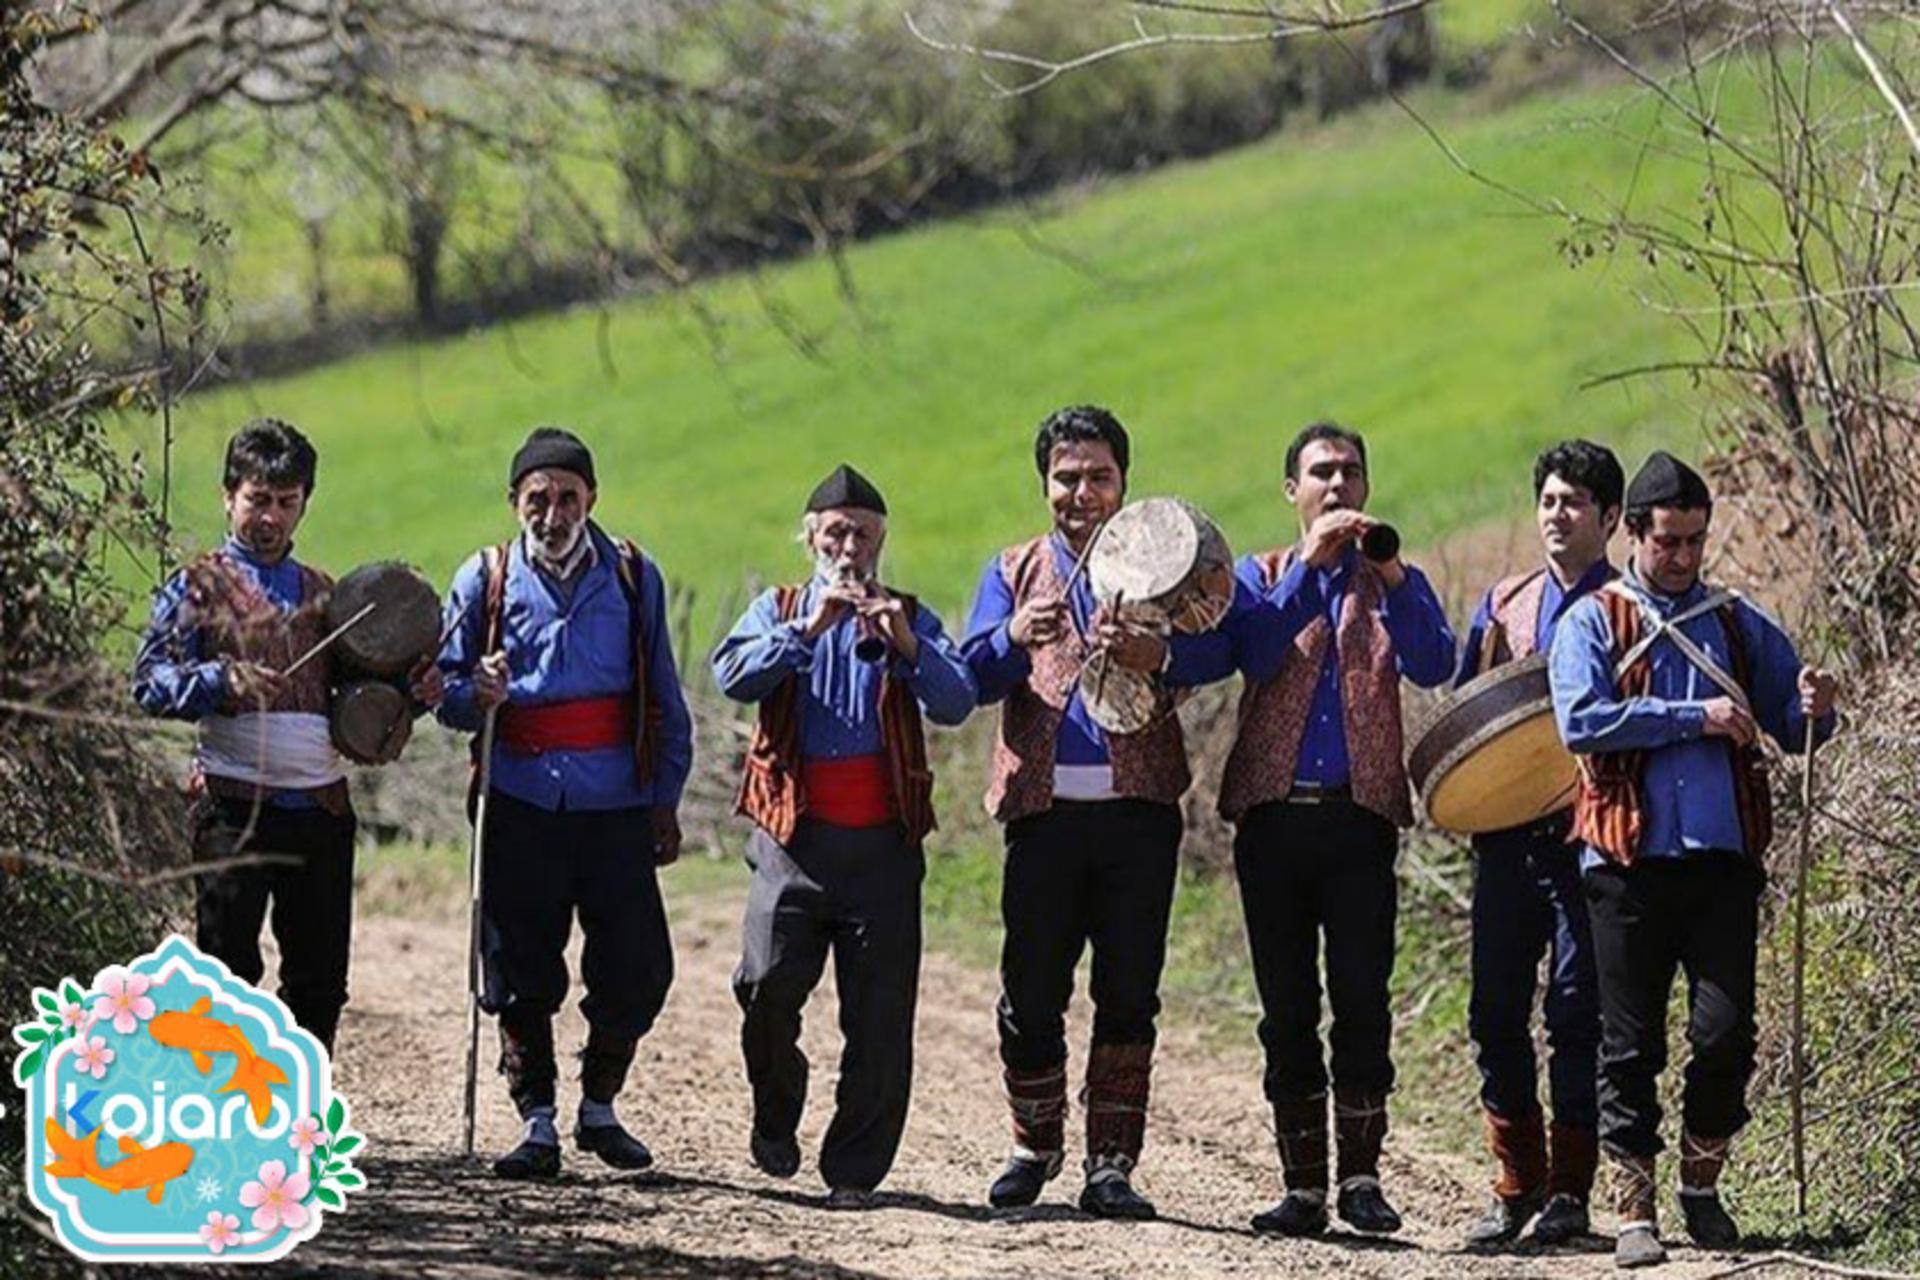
{"points": [[125, 1000], [92, 1057], [73, 1015], [275, 1199], [221, 1230], [306, 1132]]}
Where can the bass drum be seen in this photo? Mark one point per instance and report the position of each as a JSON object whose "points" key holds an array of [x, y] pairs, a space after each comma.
{"points": [[1489, 756], [372, 721]]}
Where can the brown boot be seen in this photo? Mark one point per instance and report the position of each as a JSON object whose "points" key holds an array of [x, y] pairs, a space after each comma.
{"points": [[1709, 1224], [1038, 1102], [1300, 1132], [1519, 1143], [1574, 1157], [1118, 1079], [1360, 1128]]}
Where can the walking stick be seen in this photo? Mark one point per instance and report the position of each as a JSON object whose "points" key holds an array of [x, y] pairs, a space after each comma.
{"points": [[1797, 1082], [476, 852]]}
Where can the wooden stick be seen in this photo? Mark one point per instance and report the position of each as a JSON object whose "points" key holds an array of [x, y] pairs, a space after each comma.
{"points": [[476, 855], [329, 638], [1796, 1093]]}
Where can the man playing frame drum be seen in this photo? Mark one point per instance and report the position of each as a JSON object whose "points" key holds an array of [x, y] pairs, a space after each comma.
{"points": [[1662, 685], [1092, 824], [1527, 898], [267, 781], [840, 795], [1316, 788], [562, 634]]}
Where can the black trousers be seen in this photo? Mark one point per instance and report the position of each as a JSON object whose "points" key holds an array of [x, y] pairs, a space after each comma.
{"points": [[854, 892], [1307, 870], [1101, 873], [1698, 914], [311, 899], [542, 867], [1529, 903]]}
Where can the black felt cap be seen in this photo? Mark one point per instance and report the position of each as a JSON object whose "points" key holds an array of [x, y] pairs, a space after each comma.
{"points": [[1665, 481], [846, 488], [552, 447]]}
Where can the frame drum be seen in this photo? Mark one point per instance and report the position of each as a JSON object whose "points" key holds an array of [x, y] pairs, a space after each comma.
{"points": [[372, 721], [1489, 756], [403, 627]]}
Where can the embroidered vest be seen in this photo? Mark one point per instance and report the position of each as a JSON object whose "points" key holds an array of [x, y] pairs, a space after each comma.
{"points": [[1148, 765], [1515, 626], [1273, 713], [1609, 810], [238, 620], [773, 793]]}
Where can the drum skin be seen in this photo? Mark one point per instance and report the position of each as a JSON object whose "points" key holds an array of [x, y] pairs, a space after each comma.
{"points": [[1166, 553], [403, 628], [1489, 756], [372, 721]]}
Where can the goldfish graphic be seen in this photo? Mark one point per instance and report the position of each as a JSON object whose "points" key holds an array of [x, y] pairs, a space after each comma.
{"points": [[152, 1168], [202, 1036]]}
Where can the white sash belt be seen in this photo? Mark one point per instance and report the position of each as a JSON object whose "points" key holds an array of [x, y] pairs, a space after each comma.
{"points": [[284, 750]]}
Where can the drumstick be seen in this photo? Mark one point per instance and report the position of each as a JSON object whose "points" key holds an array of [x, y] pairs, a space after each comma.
{"points": [[329, 638], [1079, 567]]}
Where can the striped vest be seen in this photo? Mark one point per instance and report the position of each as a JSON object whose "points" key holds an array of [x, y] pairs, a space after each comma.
{"points": [[1608, 811], [1148, 765], [1273, 713], [773, 794]]}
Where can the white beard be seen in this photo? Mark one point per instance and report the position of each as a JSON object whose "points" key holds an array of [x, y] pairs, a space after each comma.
{"points": [[557, 560]]}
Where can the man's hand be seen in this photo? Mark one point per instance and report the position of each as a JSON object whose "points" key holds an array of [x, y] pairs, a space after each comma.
{"points": [[249, 683], [425, 683], [1332, 534], [1728, 719], [889, 617], [1132, 648], [835, 602], [666, 836], [490, 681], [1038, 623], [1818, 690]]}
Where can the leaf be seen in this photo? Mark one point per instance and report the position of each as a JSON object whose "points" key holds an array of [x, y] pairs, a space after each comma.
{"points": [[336, 1114], [348, 1145], [32, 1033], [47, 1000], [352, 1180], [25, 1069], [329, 1197], [70, 992]]}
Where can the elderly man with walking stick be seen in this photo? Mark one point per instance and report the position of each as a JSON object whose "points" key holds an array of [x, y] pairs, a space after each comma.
{"points": [[1663, 687], [558, 655]]}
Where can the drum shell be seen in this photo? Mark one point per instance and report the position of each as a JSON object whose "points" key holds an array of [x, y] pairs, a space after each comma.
{"points": [[403, 628], [1489, 756], [1167, 554], [371, 721]]}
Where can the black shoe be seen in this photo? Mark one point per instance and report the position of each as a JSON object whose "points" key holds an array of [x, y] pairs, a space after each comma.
{"points": [[1297, 1214], [1709, 1225], [1114, 1197], [849, 1198], [775, 1157], [1020, 1182], [1564, 1219], [1364, 1208], [614, 1145], [1503, 1222], [529, 1160]]}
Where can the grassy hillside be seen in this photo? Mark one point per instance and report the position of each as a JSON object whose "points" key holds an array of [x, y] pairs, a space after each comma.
{"points": [[1216, 306]]}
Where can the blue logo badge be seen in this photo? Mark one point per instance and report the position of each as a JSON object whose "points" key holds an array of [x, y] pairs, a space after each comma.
{"points": [[178, 1114]]}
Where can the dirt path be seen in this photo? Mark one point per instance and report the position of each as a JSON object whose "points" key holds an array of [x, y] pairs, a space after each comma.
{"points": [[707, 1212]]}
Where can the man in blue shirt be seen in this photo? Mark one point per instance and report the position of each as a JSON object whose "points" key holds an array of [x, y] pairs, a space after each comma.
{"points": [[1663, 686], [841, 798], [1527, 898], [562, 634], [1316, 787], [266, 778]]}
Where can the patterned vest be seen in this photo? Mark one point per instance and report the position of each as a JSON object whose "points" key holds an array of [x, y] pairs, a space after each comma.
{"points": [[1148, 765], [237, 620], [1515, 626], [773, 793], [1609, 811], [1273, 713]]}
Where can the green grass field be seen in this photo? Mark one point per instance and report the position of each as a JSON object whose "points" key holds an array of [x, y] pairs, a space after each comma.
{"points": [[1217, 306]]}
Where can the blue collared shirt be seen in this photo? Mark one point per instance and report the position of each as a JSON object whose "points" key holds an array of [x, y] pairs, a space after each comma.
{"points": [[563, 644], [999, 665], [1687, 789], [1414, 619], [840, 704], [172, 675], [1554, 603]]}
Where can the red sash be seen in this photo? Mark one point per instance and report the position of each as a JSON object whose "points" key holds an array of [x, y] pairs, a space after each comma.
{"points": [[580, 724], [849, 792]]}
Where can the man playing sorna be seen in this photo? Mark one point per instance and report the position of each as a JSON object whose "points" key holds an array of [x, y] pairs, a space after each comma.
{"points": [[562, 633], [266, 778], [1527, 897], [1662, 686], [841, 797], [1316, 787]]}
